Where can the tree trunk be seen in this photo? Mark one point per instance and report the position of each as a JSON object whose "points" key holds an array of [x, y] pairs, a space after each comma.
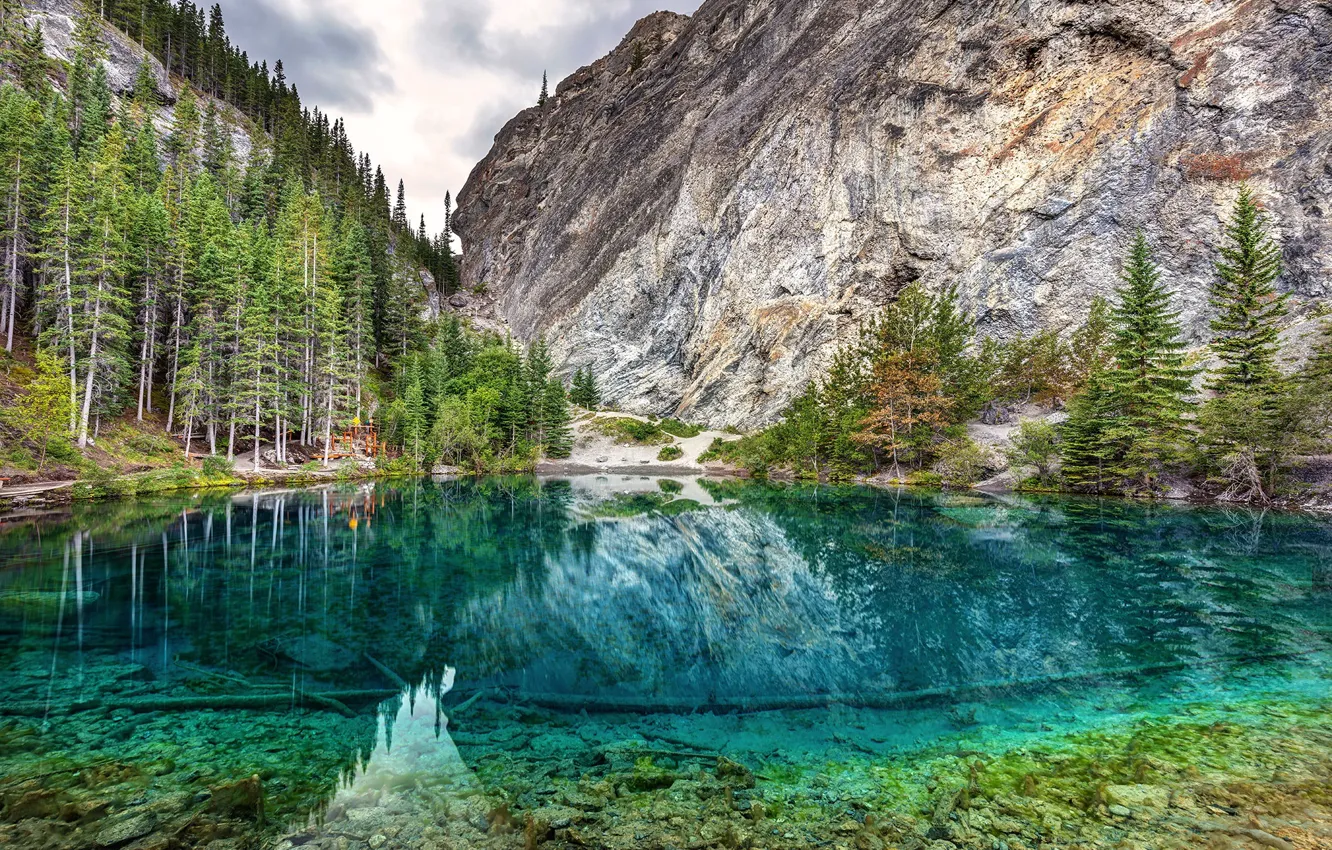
{"points": [[69, 317], [256, 420], [328, 419], [175, 357], [145, 367], [92, 367], [13, 260]]}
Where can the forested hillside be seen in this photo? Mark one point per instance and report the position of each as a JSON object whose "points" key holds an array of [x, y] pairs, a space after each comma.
{"points": [[151, 274]]}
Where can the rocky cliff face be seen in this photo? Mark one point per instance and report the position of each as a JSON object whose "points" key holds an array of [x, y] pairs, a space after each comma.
{"points": [[58, 20], [703, 214]]}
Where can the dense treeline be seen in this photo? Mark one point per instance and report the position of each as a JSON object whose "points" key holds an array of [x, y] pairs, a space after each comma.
{"points": [[897, 401], [272, 301], [477, 401]]}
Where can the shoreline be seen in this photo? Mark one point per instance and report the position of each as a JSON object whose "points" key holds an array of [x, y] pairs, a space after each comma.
{"points": [[26, 500]]}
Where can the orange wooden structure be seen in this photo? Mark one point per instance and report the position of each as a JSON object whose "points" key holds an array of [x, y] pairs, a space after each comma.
{"points": [[358, 441]]}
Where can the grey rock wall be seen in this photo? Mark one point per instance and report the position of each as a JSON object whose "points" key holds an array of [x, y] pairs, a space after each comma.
{"points": [[704, 225]]}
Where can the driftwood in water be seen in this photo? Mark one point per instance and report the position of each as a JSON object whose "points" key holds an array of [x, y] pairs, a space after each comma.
{"points": [[387, 671]]}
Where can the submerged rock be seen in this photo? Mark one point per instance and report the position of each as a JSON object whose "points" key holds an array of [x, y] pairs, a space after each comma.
{"points": [[127, 827], [734, 773], [1137, 797], [239, 799]]}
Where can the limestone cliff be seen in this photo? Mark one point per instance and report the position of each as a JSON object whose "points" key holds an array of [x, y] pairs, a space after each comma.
{"points": [[704, 213]]}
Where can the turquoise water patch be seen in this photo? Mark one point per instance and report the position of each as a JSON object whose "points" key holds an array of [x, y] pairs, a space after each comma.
{"points": [[626, 661]]}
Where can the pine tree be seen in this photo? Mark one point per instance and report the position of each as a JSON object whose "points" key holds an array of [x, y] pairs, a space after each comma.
{"points": [[908, 398], [558, 437], [584, 392], [1244, 436], [101, 273], [545, 95], [400, 208], [1148, 381], [42, 411], [537, 375], [33, 66], [19, 118], [576, 392], [414, 413], [1087, 453], [355, 277], [1247, 303]]}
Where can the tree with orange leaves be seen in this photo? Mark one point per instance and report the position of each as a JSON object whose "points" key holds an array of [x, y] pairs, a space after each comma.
{"points": [[908, 392]]}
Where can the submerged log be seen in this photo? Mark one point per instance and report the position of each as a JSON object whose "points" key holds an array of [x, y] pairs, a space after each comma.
{"points": [[324, 701], [387, 672], [573, 703]]}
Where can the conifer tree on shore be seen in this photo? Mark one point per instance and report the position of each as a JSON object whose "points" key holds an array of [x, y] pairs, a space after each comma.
{"points": [[1149, 381], [1244, 434]]}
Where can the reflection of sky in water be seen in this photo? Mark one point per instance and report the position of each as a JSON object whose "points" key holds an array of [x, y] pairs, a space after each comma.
{"points": [[412, 747]]}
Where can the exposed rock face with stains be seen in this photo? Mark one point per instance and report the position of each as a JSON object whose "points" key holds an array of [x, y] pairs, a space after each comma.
{"points": [[705, 213], [122, 60]]}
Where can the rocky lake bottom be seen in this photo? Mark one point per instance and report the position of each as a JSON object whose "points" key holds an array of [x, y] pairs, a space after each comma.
{"points": [[629, 662]]}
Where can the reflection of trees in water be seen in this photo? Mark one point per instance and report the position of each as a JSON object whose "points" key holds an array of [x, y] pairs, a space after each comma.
{"points": [[368, 569]]}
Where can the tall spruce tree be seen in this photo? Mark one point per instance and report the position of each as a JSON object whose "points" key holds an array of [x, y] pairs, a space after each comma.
{"points": [[558, 436], [1149, 381], [1244, 436], [1087, 454], [1247, 304]]}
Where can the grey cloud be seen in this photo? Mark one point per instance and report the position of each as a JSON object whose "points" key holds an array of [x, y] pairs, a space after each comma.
{"points": [[456, 34], [475, 142], [333, 63]]}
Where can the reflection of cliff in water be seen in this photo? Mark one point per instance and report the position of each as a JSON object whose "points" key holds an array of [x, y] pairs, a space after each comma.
{"points": [[825, 591]]}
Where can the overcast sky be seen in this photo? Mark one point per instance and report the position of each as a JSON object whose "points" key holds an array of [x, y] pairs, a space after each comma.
{"points": [[424, 85]]}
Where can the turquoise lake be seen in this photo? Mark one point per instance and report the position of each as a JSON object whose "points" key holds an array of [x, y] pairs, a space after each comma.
{"points": [[628, 661]]}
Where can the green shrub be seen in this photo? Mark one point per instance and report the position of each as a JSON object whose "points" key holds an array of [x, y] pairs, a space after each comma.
{"points": [[1036, 445], [149, 444], [714, 451], [963, 462], [218, 467], [924, 478], [676, 428], [671, 486], [670, 453], [626, 430]]}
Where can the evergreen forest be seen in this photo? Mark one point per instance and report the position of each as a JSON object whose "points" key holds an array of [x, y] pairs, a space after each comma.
{"points": [[273, 300]]}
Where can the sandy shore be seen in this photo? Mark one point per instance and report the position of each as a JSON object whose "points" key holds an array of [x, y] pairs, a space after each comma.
{"points": [[594, 452]]}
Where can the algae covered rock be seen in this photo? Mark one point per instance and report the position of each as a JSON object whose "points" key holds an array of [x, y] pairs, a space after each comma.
{"points": [[1137, 797], [127, 827], [734, 773], [243, 799], [41, 803]]}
